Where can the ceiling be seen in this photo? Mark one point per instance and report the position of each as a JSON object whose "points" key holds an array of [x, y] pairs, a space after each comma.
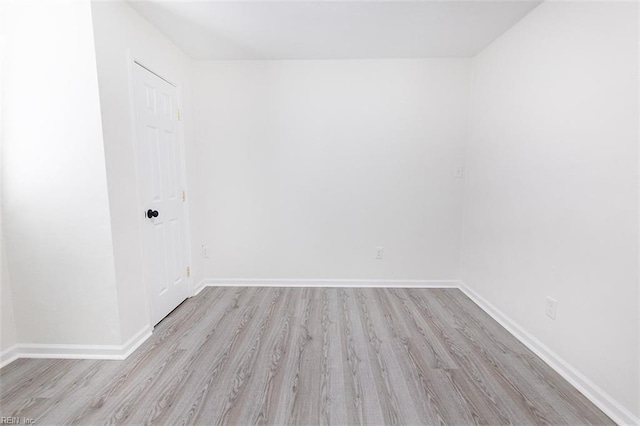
{"points": [[299, 29]]}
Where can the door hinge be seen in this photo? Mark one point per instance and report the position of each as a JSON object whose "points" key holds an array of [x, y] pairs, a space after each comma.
{"points": [[188, 272], [184, 196], [179, 114]]}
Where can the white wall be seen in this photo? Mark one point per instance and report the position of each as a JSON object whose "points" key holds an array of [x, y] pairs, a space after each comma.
{"points": [[122, 35], [306, 166], [552, 197], [8, 334], [56, 215]]}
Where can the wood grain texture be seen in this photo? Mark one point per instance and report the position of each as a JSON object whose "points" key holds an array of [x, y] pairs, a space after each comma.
{"points": [[307, 356]]}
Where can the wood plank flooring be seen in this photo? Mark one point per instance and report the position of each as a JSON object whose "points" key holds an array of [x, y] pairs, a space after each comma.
{"points": [[307, 356]]}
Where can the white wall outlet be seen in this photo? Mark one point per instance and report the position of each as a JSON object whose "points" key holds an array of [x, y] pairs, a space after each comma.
{"points": [[458, 171], [551, 308], [379, 253], [205, 251]]}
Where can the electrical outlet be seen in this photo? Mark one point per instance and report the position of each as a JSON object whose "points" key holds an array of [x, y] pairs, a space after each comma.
{"points": [[551, 308], [379, 253], [205, 251], [458, 171]]}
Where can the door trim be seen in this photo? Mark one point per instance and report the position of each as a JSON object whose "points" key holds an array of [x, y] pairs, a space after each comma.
{"points": [[156, 74]]}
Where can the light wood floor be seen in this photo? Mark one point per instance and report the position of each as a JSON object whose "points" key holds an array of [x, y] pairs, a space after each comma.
{"points": [[307, 356]]}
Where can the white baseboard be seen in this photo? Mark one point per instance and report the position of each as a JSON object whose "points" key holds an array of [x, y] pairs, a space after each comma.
{"points": [[62, 351], [199, 287], [594, 393], [287, 282], [135, 341], [8, 355]]}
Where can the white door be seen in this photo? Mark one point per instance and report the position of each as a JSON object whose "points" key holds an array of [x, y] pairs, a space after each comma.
{"points": [[160, 191]]}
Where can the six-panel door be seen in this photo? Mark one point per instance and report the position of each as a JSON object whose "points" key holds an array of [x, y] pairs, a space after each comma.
{"points": [[160, 190]]}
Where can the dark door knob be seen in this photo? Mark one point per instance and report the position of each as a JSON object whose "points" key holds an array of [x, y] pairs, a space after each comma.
{"points": [[152, 213]]}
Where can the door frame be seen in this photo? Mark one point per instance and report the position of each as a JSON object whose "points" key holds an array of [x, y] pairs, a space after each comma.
{"points": [[133, 60]]}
